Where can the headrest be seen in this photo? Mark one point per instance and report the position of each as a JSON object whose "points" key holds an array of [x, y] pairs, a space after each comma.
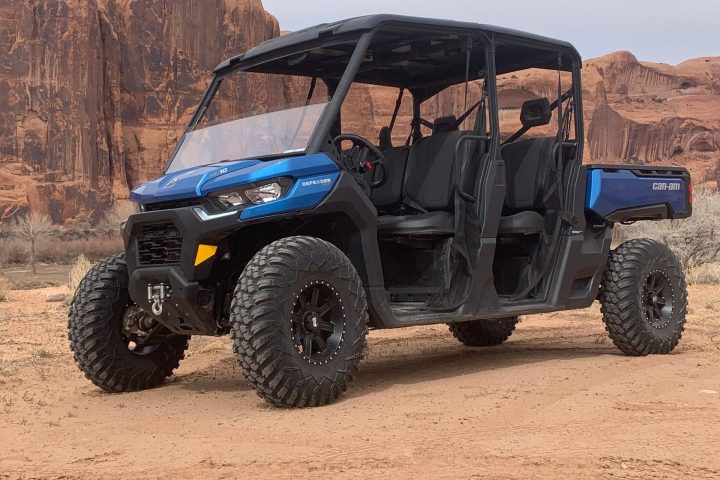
{"points": [[445, 124], [385, 138]]}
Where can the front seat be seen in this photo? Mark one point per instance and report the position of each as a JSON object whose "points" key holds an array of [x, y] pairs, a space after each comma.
{"points": [[388, 195], [428, 186]]}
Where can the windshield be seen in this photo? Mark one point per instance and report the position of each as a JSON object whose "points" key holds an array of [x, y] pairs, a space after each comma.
{"points": [[253, 115]]}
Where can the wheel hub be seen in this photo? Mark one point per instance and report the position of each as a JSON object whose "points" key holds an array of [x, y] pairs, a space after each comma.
{"points": [[311, 321], [657, 299], [140, 331], [318, 322]]}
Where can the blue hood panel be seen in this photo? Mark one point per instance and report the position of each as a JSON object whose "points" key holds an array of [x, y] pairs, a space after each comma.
{"points": [[200, 181]]}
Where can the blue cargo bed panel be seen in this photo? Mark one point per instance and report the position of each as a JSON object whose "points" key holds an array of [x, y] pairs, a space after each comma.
{"points": [[623, 193]]}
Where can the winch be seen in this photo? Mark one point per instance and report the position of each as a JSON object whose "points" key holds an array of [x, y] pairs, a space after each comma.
{"points": [[156, 295]]}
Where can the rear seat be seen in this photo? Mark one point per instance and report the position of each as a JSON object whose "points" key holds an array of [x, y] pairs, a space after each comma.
{"points": [[530, 176]]}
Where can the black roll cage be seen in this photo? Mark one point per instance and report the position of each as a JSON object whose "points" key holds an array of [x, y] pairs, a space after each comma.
{"points": [[488, 38]]}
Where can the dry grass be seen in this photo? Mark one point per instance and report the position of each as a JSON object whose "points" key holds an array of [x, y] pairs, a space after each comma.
{"points": [[3, 254], [708, 274], [60, 251], [696, 240], [65, 251], [80, 267], [14, 251], [110, 224], [4, 289]]}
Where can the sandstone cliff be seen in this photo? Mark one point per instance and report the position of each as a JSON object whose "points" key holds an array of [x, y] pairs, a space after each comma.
{"points": [[94, 95], [647, 113]]}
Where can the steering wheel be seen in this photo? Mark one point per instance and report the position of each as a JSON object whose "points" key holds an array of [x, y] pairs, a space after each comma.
{"points": [[356, 160]]}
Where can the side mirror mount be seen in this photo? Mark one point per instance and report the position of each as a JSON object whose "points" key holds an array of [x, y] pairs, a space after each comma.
{"points": [[536, 113]]}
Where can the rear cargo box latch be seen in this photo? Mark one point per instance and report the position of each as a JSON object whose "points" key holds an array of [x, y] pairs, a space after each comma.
{"points": [[156, 295]]}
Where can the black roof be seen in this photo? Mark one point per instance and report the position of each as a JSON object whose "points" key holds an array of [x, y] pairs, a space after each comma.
{"points": [[333, 42]]}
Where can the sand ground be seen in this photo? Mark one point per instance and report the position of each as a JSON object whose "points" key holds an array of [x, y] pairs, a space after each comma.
{"points": [[556, 401]]}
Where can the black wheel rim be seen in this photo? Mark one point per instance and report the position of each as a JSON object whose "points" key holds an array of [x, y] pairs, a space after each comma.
{"points": [[141, 334], [318, 322], [657, 299]]}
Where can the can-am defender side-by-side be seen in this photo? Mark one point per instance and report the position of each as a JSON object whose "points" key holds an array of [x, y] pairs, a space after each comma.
{"points": [[277, 222]]}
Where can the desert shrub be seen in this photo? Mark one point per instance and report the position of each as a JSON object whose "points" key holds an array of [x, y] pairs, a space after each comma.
{"points": [[31, 228], [696, 240], [60, 251], [14, 251], [52, 250], [110, 224], [3, 250], [79, 269], [4, 289], [4, 255], [708, 274]]}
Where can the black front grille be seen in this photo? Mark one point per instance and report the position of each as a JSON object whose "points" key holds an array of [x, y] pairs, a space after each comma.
{"points": [[171, 204], [159, 244]]}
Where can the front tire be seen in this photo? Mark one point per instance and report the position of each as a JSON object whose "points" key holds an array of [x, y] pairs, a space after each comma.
{"points": [[110, 356], [484, 333], [299, 321], [644, 298]]}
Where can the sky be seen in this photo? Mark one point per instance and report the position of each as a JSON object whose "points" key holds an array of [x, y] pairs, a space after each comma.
{"points": [[658, 31]]}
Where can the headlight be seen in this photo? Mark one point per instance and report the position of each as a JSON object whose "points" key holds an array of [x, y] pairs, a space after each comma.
{"points": [[231, 199], [264, 193], [251, 195]]}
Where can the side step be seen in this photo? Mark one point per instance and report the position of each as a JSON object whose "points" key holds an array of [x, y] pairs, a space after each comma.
{"points": [[415, 313]]}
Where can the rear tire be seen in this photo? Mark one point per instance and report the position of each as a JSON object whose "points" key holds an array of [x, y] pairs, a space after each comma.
{"points": [[299, 321], [484, 333], [644, 298], [97, 339]]}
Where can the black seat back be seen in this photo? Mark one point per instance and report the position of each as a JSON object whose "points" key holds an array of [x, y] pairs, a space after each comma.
{"points": [[429, 176], [531, 176], [389, 195], [430, 173]]}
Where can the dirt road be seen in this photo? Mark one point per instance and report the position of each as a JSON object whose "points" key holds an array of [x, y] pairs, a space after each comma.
{"points": [[557, 401]]}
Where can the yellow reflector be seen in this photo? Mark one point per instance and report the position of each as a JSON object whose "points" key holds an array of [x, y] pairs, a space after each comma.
{"points": [[205, 252]]}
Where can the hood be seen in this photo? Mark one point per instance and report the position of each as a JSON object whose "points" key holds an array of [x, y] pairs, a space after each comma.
{"points": [[199, 181]]}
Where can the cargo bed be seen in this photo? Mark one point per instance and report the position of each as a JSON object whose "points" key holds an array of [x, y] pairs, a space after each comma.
{"points": [[628, 193]]}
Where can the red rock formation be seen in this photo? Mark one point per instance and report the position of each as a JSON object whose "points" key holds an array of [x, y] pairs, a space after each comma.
{"points": [[650, 113], [57, 122], [94, 95], [169, 51]]}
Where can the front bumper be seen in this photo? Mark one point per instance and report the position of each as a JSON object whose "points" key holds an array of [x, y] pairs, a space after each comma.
{"points": [[188, 310]]}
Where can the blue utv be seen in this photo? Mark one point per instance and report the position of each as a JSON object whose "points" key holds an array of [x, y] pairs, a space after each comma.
{"points": [[280, 223]]}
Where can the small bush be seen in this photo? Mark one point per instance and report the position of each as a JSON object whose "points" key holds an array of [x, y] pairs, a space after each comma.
{"points": [[3, 256], [80, 267], [31, 228], [52, 250], [3, 250], [708, 274], [15, 252], [4, 289], [110, 224], [696, 240]]}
